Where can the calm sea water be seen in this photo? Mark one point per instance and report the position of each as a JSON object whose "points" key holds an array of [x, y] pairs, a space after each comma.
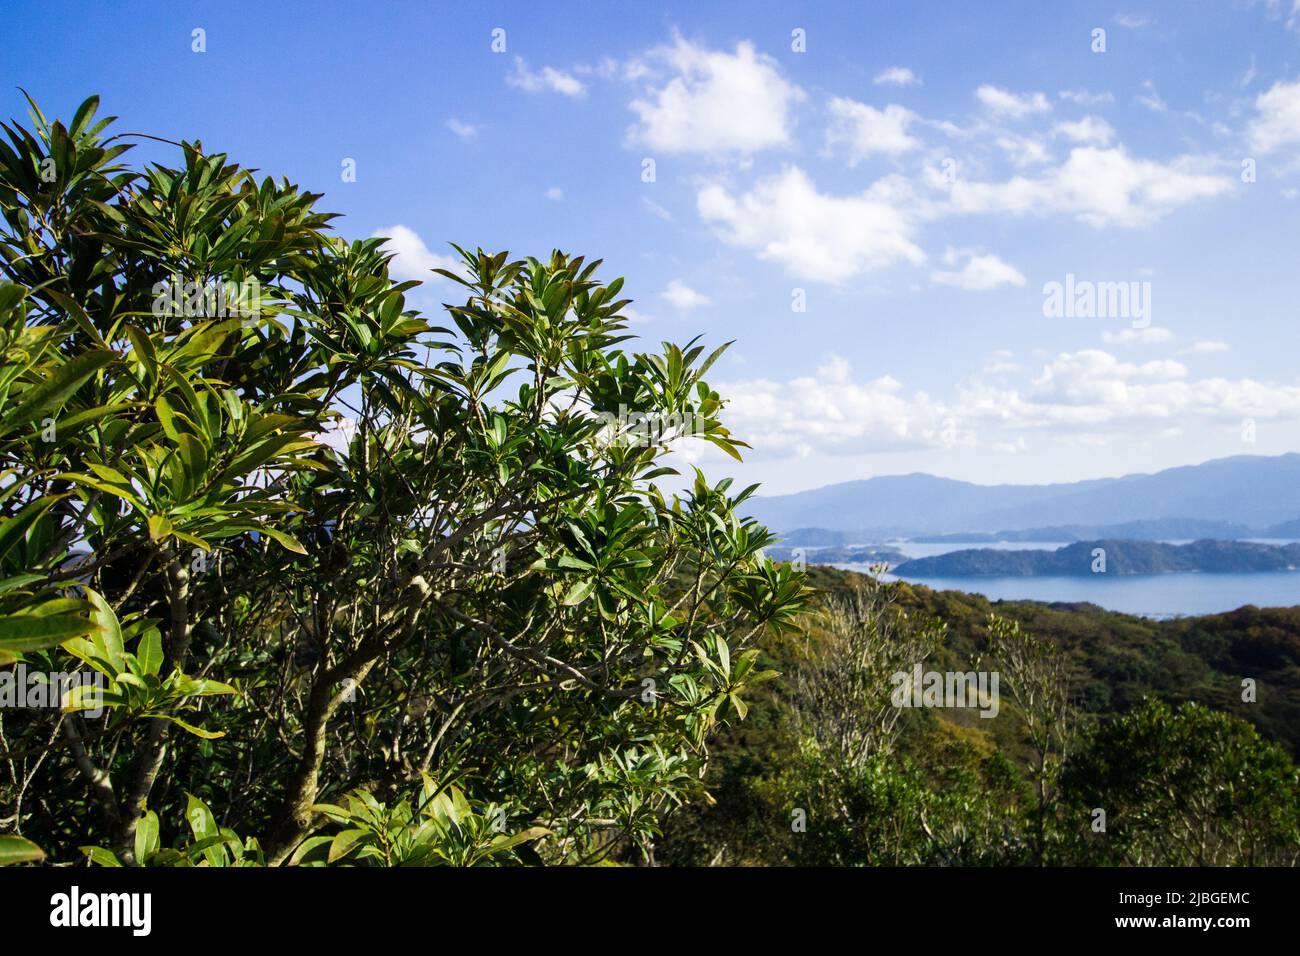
{"points": [[1148, 595]]}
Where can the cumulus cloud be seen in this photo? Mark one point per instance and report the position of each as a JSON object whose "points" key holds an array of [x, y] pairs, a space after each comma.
{"points": [[412, 258], [980, 272], [814, 235], [681, 296], [1087, 397], [897, 76], [785, 218], [862, 130], [1277, 120], [1024, 150], [830, 412], [1090, 129], [1092, 389], [716, 102], [1100, 187], [1010, 105], [547, 79]]}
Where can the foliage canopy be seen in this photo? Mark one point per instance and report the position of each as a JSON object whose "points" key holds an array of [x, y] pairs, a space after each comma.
{"points": [[343, 568]]}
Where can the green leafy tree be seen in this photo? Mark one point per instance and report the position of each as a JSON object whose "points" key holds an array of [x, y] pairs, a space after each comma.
{"points": [[1183, 787], [318, 545], [1036, 676]]}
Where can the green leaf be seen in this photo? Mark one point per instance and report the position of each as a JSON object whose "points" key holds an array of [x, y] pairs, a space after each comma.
{"points": [[284, 538], [80, 118], [200, 818], [14, 849], [100, 857], [22, 633], [83, 697], [160, 527], [524, 836], [195, 457], [307, 847], [196, 731], [580, 592], [150, 652], [48, 397], [344, 842], [167, 417], [108, 633], [146, 836], [12, 530]]}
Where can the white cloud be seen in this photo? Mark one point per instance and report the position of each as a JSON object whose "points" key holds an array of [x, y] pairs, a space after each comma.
{"points": [[815, 235], [548, 79], [1207, 347], [1248, 75], [716, 102], [897, 76], [1100, 187], [1150, 98], [864, 130], [980, 273], [413, 259], [1092, 388], [1151, 335], [555, 193], [1000, 363], [657, 209], [463, 130], [830, 412], [1011, 105], [1133, 21], [1086, 98], [1024, 150], [1090, 129], [1087, 397], [1277, 122], [681, 296]]}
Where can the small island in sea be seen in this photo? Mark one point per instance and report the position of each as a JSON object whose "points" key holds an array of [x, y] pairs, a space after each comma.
{"points": [[1109, 556]]}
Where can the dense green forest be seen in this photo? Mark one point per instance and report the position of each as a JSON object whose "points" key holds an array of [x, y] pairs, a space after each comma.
{"points": [[1158, 731], [362, 587]]}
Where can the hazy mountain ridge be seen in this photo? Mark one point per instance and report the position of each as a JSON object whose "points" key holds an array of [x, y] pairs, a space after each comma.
{"points": [[1256, 493]]}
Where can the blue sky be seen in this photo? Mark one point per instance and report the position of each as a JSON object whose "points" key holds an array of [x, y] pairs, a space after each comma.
{"points": [[915, 176]]}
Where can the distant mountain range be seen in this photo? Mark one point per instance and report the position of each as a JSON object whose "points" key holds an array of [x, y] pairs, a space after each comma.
{"points": [[1081, 559], [1242, 496]]}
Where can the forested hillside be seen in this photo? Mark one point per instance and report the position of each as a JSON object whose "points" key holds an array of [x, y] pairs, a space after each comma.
{"points": [[1159, 704]]}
